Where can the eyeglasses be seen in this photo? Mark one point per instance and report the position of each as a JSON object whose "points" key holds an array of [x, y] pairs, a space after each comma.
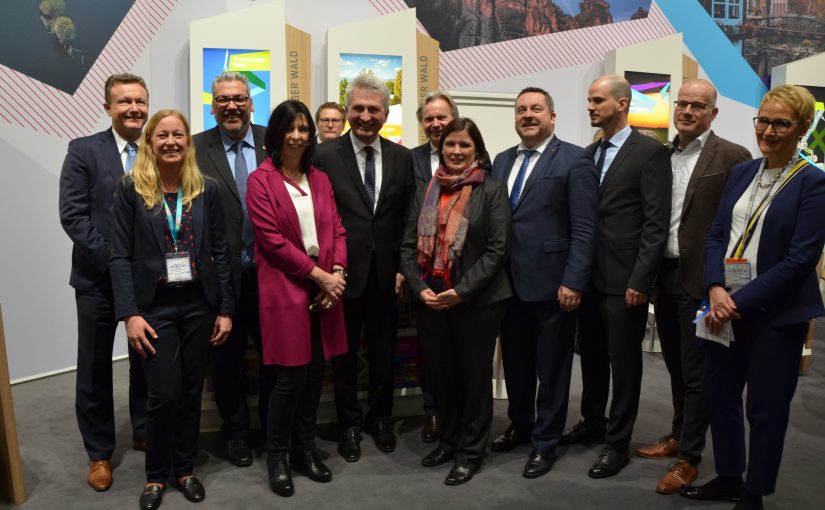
{"points": [[334, 122], [780, 126], [695, 106], [224, 100]]}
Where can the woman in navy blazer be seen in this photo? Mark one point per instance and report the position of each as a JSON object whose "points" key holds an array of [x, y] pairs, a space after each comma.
{"points": [[768, 313], [172, 289]]}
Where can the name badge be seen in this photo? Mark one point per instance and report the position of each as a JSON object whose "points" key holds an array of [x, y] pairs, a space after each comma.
{"points": [[737, 272], [178, 268]]}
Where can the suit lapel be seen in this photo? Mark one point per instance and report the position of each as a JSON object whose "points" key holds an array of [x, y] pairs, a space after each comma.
{"points": [[218, 157], [347, 155], [625, 149], [111, 155], [424, 159], [157, 221], [387, 170], [198, 223], [541, 167], [258, 139], [277, 187], [503, 174], [702, 166]]}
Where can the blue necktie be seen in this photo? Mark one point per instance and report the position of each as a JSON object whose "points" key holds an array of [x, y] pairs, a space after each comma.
{"points": [[518, 184], [247, 236], [369, 176], [600, 163], [131, 155]]}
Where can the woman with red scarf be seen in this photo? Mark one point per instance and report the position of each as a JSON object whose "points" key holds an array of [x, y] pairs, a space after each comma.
{"points": [[452, 256]]}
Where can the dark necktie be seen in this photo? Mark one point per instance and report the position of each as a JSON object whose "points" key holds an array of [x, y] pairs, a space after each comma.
{"points": [[600, 163], [369, 175], [131, 155], [241, 176], [518, 184]]}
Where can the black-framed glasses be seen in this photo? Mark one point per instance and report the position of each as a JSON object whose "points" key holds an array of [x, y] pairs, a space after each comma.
{"points": [[695, 105], [780, 126], [224, 100]]}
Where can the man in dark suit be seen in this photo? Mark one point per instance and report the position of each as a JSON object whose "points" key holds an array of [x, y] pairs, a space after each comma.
{"points": [[329, 121], [701, 164], [228, 153], [436, 111], [553, 190], [634, 213], [87, 184], [373, 183]]}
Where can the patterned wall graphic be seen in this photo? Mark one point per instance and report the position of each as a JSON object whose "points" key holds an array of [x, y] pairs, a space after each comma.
{"points": [[37, 94]]}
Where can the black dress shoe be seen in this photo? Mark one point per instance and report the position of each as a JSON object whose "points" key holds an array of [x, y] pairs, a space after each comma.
{"points": [[239, 452], [722, 488], [280, 480], [382, 435], [436, 458], [461, 473], [350, 445], [306, 462], [611, 461], [193, 490], [509, 440], [539, 463], [431, 429], [585, 432], [151, 497]]}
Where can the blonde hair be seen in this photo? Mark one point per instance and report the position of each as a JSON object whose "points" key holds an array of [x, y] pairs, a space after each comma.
{"points": [[797, 98], [145, 171]]}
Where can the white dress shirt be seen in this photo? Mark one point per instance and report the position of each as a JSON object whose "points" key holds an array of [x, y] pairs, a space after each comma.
{"points": [[434, 159], [121, 147], [306, 214], [539, 150], [682, 161], [361, 158], [616, 143]]}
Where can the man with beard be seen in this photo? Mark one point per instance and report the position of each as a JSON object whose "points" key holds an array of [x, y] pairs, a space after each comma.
{"points": [[228, 153]]}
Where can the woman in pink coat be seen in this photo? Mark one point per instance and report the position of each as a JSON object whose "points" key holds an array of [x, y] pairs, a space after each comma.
{"points": [[300, 254]]}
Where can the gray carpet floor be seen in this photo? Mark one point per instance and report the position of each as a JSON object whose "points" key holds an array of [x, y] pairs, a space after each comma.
{"points": [[55, 468]]}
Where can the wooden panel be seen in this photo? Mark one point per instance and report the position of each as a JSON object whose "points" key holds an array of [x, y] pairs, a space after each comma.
{"points": [[11, 476], [690, 69], [426, 69], [298, 66]]}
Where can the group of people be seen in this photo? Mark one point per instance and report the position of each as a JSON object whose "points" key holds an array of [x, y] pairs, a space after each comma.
{"points": [[303, 239]]}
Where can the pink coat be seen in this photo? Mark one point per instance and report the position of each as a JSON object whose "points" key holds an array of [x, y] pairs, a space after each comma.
{"points": [[283, 266]]}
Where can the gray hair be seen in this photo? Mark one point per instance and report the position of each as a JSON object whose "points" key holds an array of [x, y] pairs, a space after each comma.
{"points": [[369, 83], [230, 76], [433, 96]]}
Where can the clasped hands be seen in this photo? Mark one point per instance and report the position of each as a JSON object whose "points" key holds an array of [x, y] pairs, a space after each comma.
{"points": [[441, 301], [332, 286], [722, 308]]}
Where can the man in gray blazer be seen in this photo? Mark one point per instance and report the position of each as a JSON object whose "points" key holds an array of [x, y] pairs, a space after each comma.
{"points": [[701, 164], [228, 153]]}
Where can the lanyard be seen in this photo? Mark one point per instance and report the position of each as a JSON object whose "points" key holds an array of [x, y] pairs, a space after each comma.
{"points": [[174, 225], [755, 215]]}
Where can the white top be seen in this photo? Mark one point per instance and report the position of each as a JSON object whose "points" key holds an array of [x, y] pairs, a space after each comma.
{"points": [[121, 147], [511, 179], [306, 214], [361, 158], [616, 141], [682, 162], [434, 160]]}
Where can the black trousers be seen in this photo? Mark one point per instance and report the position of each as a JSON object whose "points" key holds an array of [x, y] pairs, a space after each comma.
{"points": [[229, 364], [94, 406], [293, 400], [766, 359], [684, 356], [457, 347], [611, 350], [377, 316], [423, 383], [537, 341], [183, 321]]}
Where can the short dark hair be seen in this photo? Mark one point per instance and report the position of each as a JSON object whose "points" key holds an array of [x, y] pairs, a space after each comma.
{"points": [[114, 79], [464, 124], [280, 122], [547, 97], [329, 105]]}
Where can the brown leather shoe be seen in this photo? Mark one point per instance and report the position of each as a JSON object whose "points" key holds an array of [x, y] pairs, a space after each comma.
{"points": [[666, 447], [100, 475], [680, 473]]}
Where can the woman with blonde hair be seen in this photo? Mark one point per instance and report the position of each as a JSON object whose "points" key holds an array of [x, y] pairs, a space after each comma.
{"points": [[171, 282]]}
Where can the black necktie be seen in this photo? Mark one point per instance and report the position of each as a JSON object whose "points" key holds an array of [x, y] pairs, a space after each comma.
{"points": [[369, 175], [600, 163]]}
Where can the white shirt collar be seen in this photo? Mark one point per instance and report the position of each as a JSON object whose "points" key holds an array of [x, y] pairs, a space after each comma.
{"points": [[539, 148], [358, 145]]}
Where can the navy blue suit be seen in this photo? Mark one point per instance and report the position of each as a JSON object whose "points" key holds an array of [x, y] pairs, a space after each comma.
{"points": [[553, 242], [775, 307], [87, 185]]}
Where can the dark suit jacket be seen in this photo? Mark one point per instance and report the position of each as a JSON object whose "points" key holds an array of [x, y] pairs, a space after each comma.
{"points": [[211, 157], [423, 169], [704, 189], [369, 234], [478, 276], [634, 216], [554, 223], [87, 185], [786, 290], [138, 250]]}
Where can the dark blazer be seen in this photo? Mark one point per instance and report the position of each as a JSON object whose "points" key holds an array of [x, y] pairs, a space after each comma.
{"points": [[786, 290], [212, 161], [554, 223], [634, 216], [423, 169], [87, 185], [704, 190], [478, 276], [369, 234], [138, 250]]}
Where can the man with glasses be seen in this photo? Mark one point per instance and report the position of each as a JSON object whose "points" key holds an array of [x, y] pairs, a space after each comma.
{"points": [[228, 153], [329, 119], [701, 163]]}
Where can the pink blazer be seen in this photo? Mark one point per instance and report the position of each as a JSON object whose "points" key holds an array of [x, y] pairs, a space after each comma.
{"points": [[282, 265]]}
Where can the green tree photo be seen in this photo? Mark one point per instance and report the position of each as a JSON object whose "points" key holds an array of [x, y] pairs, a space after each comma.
{"points": [[64, 30], [52, 8]]}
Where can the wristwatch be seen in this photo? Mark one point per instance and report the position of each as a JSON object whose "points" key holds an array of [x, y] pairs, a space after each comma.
{"points": [[341, 271]]}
